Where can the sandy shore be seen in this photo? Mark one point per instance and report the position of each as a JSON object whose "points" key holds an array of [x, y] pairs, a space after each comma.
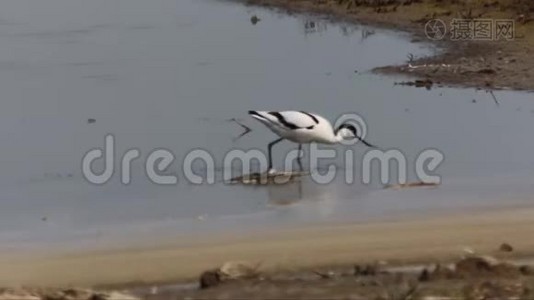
{"points": [[426, 241], [495, 64]]}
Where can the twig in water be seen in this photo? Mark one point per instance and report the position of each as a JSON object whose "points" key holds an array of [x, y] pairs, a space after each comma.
{"points": [[411, 57], [494, 98], [247, 129], [366, 33]]}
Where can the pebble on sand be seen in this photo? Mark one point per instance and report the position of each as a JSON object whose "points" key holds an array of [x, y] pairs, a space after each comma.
{"points": [[505, 247]]}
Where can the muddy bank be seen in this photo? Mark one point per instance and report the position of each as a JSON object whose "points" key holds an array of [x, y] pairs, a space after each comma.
{"points": [[442, 238], [62, 294], [470, 256], [488, 64], [470, 277]]}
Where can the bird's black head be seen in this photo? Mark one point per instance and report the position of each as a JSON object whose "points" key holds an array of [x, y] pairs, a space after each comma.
{"points": [[351, 132], [350, 127]]}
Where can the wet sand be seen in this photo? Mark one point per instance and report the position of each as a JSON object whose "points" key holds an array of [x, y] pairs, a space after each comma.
{"points": [[493, 64], [410, 241]]}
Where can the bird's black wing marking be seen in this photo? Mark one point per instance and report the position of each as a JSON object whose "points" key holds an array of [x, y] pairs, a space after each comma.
{"points": [[283, 121], [311, 116]]}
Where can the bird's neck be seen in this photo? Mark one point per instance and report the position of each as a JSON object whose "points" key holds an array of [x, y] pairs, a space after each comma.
{"points": [[336, 138]]}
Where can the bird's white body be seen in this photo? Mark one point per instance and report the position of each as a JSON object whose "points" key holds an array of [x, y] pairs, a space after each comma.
{"points": [[303, 128], [298, 127]]}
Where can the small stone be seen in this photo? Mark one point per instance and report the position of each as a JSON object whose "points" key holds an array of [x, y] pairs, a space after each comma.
{"points": [[357, 270], [238, 269], [474, 264], [442, 273], [424, 276], [473, 267], [254, 20], [368, 270], [18, 294], [112, 296], [327, 275], [209, 279], [526, 270], [494, 290], [505, 247], [70, 294]]}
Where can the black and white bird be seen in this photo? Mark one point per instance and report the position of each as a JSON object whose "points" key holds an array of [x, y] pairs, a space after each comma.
{"points": [[303, 128]]}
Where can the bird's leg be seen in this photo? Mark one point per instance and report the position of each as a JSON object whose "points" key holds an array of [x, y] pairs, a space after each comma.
{"points": [[299, 158], [271, 144]]}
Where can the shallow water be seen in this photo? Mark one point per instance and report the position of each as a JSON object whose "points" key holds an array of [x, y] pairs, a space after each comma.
{"points": [[170, 73]]}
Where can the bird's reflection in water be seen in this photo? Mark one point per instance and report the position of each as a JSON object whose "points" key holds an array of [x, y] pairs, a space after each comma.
{"points": [[304, 199], [296, 190], [285, 194]]}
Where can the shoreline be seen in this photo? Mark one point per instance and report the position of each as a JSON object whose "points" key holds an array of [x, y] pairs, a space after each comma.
{"points": [[420, 241], [489, 65]]}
